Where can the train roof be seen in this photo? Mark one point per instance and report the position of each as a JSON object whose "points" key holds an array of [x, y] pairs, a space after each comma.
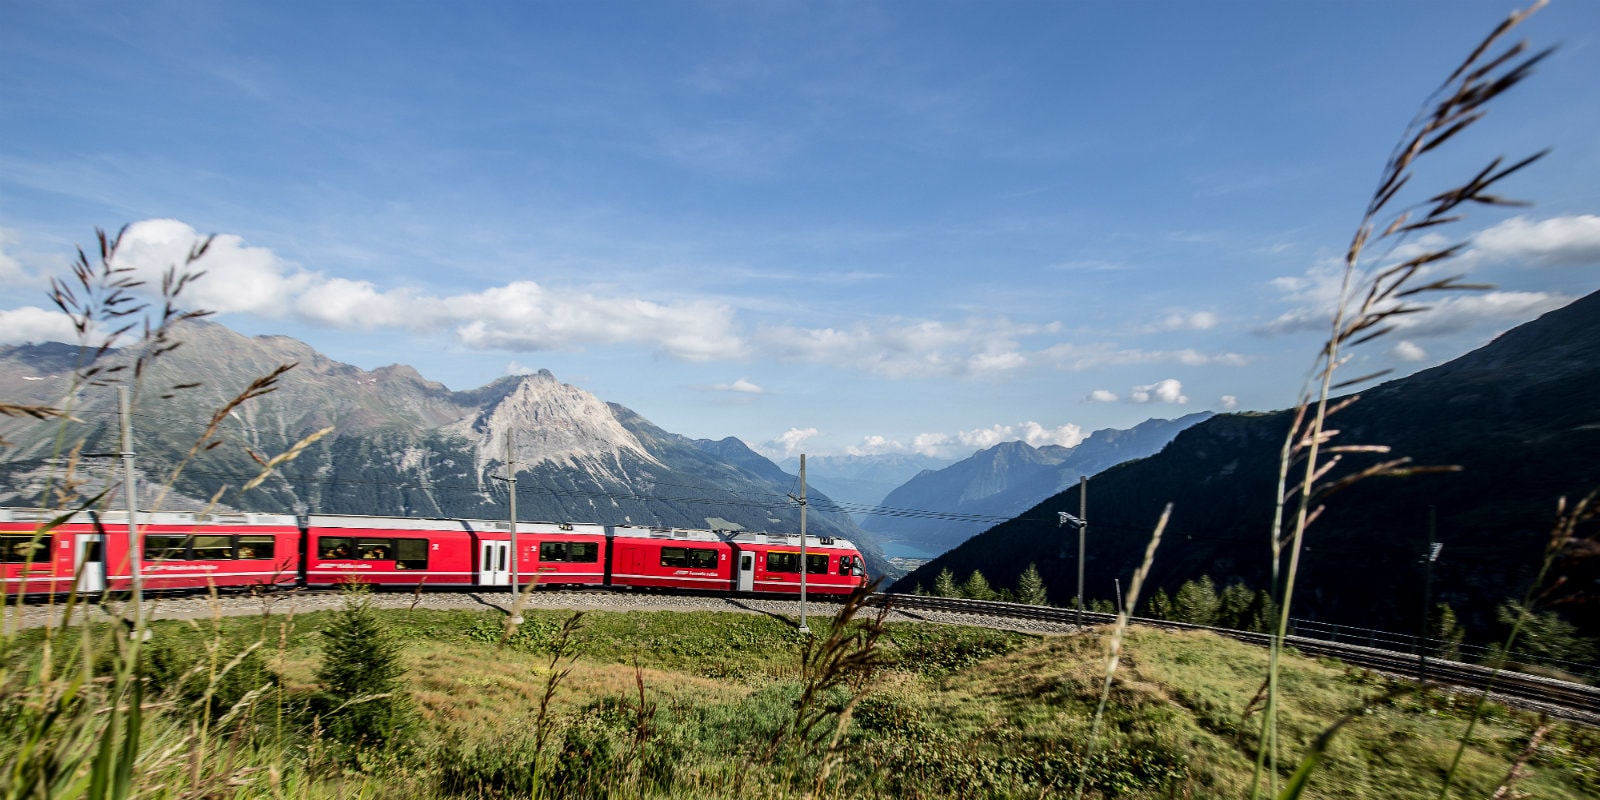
{"points": [[178, 518]]}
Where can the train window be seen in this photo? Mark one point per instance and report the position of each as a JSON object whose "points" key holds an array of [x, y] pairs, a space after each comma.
{"points": [[256, 546], [583, 552], [844, 565], [674, 557], [166, 548], [783, 562], [375, 549], [816, 565], [212, 548], [335, 548], [702, 559], [552, 551], [24, 548], [411, 554]]}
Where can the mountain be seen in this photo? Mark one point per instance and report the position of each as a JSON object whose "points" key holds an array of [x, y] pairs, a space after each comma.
{"points": [[1007, 479], [1519, 416], [400, 444], [863, 480]]}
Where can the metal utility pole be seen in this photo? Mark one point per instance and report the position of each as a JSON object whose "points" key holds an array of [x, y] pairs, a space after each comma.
{"points": [[135, 552], [1083, 527], [803, 628], [511, 480], [1428, 557]]}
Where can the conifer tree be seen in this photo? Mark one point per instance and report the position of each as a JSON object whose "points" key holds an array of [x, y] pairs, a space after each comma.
{"points": [[1233, 606], [363, 700], [1263, 616], [945, 584], [1031, 588], [1196, 602], [1159, 606], [977, 587], [1447, 634]]}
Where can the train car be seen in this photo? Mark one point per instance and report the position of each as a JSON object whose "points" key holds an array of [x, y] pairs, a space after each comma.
{"points": [[561, 553], [399, 551], [39, 563], [771, 563], [671, 558], [185, 551]]}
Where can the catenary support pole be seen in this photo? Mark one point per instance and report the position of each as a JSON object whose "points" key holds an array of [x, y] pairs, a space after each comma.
{"points": [[1083, 529], [803, 566], [511, 481], [135, 552]]}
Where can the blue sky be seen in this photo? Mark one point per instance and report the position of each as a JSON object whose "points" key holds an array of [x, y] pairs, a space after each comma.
{"points": [[829, 227]]}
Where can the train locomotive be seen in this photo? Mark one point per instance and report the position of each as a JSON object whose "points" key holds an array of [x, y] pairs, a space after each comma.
{"points": [[188, 551]]}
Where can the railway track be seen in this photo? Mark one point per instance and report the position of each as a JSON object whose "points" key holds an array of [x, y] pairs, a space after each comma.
{"points": [[1572, 701]]}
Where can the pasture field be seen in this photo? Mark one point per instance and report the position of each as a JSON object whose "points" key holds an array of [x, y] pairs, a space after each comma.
{"points": [[703, 704]]}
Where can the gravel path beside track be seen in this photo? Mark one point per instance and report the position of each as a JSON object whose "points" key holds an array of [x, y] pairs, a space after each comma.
{"points": [[203, 607]]}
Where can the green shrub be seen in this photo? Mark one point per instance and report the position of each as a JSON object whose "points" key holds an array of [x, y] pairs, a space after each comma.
{"points": [[363, 699]]}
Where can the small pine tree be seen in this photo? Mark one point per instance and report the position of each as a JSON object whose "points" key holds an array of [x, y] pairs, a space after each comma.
{"points": [[945, 584], [977, 587], [1233, 606], [1263, 614], [363, 700], [1102, 606], [1031, 588], [1159, 606], [1545, 635], [1196, 602], [919, 591], [1446, 632]]}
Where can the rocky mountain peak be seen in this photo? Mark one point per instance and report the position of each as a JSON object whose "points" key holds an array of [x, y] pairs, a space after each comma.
{"points": [[556, 423]]}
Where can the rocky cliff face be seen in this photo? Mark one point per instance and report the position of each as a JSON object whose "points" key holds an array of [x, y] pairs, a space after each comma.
{"points": [[400, 444]]}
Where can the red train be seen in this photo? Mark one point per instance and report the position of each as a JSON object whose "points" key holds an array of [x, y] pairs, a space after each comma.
{"points": [[190, 551]]}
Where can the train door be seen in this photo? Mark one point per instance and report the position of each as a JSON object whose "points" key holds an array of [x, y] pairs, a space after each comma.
{"points": [[747, 572], [494, 568], [89, 563]]}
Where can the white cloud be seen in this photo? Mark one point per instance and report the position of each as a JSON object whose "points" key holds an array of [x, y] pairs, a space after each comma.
{"points": [[1316, 293], [520, 316], [1462, 312], [908, 349], [1182, 321], [12, 274], [513, 368], [1555, 242], [875, 445], [1407, 351], [789, 443], [527, 316], [1103, 396], [1228, 402], [1169, 391], [963, 443], [1076, 357], [33, 324], [740, 386]]}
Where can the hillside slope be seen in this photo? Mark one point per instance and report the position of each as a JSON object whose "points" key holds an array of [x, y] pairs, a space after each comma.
{"points": [[1518, 415]]}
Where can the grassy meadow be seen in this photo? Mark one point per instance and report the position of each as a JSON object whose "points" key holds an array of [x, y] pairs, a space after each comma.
{"points": [[703, 704]]}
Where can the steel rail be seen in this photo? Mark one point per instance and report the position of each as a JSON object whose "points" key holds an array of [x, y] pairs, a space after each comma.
{"points": [[1575, 701]]}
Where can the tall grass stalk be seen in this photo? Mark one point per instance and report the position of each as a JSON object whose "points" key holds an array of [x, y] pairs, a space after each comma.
{"points": [[1114, 649], [76, 718], [1373, 295], [1562, 535]]}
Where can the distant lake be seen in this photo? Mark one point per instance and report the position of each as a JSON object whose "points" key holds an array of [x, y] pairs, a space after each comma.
{"points": [[902, 550]]}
